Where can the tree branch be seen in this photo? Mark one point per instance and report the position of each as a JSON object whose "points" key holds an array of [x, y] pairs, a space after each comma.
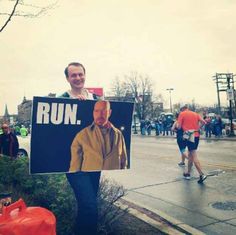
{"points": [[9, 18], [36, 11]]}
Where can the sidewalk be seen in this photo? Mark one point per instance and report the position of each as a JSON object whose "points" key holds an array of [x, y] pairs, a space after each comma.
{"points": [[158, 219]]}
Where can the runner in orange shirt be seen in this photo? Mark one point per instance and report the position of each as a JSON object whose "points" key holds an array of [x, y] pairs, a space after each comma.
{"points": [[190, 122]]}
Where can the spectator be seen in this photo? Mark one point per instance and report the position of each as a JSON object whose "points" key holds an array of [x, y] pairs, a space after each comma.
{"points": [[17, 130], [9, 145], [170, 123], [157, 126], [23, 131], [148, 127], [143, 127], [160, 125], [208, 127], [165, 125], [218, 126]]}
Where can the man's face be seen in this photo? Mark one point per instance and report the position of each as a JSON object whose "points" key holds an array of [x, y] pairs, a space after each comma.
{"points": [[76, 77], [101, 113], [5, 128]]}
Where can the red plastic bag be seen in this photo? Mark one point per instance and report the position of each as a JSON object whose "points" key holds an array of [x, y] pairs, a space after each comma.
{"points": [[17, 219]]}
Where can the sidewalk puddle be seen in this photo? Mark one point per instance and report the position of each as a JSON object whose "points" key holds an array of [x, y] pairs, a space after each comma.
{"points": [[227, 206]]}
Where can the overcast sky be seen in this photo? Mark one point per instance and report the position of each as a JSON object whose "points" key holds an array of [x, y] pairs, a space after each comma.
{"points": [[180, 44]]}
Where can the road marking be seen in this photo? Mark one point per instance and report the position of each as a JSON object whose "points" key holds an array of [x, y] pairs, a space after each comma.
{"points": [[219, 165], [152, 185], [226, 166]]}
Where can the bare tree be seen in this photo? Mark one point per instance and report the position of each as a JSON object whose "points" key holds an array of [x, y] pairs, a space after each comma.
{"points": [[119, 89], [138, 88], [20, 8], [141, 88]]}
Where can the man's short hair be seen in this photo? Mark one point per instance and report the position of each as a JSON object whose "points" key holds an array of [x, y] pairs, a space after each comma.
{"points": [[183, 107], [4, 125], [74, 64]]}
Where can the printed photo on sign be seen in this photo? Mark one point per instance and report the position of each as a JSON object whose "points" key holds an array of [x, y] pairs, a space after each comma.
{"points": [[69, 135]]}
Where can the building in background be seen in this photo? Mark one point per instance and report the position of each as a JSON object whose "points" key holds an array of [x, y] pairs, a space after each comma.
{"points": [[24, 112], [8, 118]]}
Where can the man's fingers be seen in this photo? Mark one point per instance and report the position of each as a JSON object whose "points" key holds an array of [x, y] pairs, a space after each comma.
{"points": [[81, 97]]}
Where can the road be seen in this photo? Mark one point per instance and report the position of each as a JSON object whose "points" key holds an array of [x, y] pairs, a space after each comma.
{"points": [[155, 180]]}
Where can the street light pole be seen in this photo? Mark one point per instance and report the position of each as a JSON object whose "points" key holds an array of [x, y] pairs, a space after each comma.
{"points": [[170, 89], [135, 127]]}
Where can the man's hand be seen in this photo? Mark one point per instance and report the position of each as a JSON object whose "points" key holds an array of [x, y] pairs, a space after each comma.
{"points": [[81, 97]]}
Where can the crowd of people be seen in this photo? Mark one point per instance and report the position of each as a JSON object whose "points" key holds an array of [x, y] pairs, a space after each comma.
{"points": [[214, 126], [18, 130], [161, 126]]}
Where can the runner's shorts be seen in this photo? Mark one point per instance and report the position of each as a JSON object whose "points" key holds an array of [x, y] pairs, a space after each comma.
{"points": [[181, 144], [192, 146]]}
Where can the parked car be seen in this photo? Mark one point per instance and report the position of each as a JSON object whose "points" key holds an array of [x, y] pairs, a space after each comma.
{"points": [[226, 122], [234, 122], [211, 115], [24, 146]]}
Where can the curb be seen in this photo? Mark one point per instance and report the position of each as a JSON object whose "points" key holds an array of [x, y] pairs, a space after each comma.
{"points": [[158, 219]]}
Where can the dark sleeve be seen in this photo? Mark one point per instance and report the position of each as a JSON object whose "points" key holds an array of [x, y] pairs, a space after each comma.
{"points": [[96, 97], [0, 144], [64, 95]]}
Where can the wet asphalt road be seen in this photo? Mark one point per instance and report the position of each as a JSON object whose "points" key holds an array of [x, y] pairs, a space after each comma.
{"points": [[156, 180]]}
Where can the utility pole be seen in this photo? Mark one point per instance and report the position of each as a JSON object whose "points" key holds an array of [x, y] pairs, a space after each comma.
{"points": [[170, 89], [218, 94], [135, 112], [230, 97], [225, 83]]}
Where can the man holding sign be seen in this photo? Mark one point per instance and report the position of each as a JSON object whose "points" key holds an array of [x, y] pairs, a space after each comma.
{"points": [[81, 141], [84, 184]]}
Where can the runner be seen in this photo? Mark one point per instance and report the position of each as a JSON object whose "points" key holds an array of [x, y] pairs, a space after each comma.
{"points": [[189, 122], [181, 143]]}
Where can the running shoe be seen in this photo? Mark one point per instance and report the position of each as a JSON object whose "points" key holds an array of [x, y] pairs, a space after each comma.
{"points": [[187, 176], [202, 178], [181, 164]]}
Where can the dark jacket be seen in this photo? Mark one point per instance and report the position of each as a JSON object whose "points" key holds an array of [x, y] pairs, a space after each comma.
{"points": [[9, 145]]}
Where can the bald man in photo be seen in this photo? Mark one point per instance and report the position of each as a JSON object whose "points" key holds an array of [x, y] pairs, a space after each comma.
{"points": [[100, 146]]}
